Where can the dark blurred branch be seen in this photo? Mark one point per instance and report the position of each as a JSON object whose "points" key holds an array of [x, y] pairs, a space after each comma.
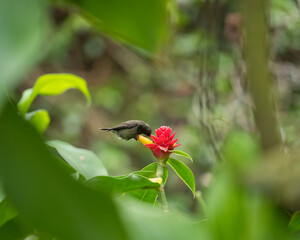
{"points": [[210, 131], [297, 4], [210, 20], [257, 62]]}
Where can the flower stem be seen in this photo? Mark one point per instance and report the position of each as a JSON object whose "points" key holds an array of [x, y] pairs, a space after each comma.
{"points": [[161, 191]]}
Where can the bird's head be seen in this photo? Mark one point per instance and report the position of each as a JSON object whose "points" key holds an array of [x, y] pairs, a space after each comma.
{"points": [[147, 130]]}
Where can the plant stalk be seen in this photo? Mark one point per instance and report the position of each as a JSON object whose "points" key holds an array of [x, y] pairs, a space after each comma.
{"points": [[256, 52], [161, 192]]}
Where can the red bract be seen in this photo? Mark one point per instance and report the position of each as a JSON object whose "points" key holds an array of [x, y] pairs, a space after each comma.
{"points": [[163, 143]]}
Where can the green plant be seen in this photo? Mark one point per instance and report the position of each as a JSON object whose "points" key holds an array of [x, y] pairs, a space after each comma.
{"points": [[86, 163], [162, 146], [49, 84], [50, 189], [81, 164]]}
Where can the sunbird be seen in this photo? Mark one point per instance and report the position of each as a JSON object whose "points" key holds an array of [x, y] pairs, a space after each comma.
{"points": [[130, 129]]}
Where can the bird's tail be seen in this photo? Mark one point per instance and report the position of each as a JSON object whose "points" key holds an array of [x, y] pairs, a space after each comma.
{"points": [[106, 129]]}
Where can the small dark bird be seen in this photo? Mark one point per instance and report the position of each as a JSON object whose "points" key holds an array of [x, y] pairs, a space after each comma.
{"points": [[130, 129]]}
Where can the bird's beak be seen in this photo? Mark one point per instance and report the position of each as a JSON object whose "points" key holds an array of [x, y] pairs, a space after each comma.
{"points": [[144, 140]]}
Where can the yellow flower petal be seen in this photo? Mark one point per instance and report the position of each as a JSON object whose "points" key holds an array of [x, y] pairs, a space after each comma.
{"points": [[156, 180], [144, 140]]}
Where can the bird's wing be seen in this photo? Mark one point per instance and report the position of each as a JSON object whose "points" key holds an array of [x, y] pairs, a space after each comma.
{"points": [[125, 125]]}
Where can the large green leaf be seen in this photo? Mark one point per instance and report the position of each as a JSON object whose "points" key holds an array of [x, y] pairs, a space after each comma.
{"points": [[122, 184], [23, 25], [2, 192], [145, 195], [294, 224], [184, 173], [43, 192], [52, 84], [16, 229], [150, 172], [147, 222], [139, 22], [148, 195], [39, 119], [84, 161], [235, 212], [234, 208], [7, 211]]}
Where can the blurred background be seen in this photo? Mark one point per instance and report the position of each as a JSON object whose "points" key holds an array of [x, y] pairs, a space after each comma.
{"points": [[195, 84]]}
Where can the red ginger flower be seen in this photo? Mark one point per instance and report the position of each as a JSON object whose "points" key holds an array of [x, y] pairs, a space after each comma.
{"points": [[163, 143]]}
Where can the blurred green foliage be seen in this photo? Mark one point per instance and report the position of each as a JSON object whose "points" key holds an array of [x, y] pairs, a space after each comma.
{"points": [[182, 65], [21, 40], [142, 23], [52, 84], [294, 224]]}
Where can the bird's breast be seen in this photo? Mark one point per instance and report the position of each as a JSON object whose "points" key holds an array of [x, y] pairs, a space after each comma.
{"points": [[127, 133]]}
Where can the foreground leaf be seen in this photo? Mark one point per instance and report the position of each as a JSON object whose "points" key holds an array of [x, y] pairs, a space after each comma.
{"points": [[84, 161], [23, 27], [39, 119], [236, 212], [184, 173], [149, 222], [139, 22], [52, 84], [7, 211], [121, 184], [145, 195], [2, 193], [43, 192], [294, 224], [16, 229]]}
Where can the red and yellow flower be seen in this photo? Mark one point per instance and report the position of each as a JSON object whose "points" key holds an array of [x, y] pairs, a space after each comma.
{"points": [[162, 144]]}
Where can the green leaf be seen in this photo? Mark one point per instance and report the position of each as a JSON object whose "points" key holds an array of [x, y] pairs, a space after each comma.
{"points": [[150, 172], [231, 204], [2, 192], [67, 167], [148, 195], [121, 184], [145, 195], [52, 84], [139, 22], [16, 228], [294, 223], [22, 36], [241, 145], [26, 100], [202, 204], [181, 153], [84, 161], [7, 211], [43, 192], [184, 173], [147, 222], [39, 119]]}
